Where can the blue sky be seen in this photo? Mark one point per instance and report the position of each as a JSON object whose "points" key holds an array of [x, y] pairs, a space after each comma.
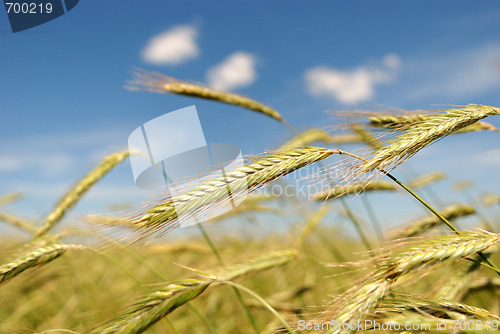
{"points": [[63, 105]]}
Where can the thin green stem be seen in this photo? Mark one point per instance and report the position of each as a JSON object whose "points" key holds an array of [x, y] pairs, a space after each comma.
{"points": [[171, 324], [484, 264], [202, 317], [221, 262], [411, 192], [346, 207], [373, 218], [356, 223], [263, 302]]}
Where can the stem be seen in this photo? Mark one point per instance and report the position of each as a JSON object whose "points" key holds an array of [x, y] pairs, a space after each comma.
{"points": [[346, 207], [443, 219], [203, 318], [373, 217], [221, 262], [263, 302], [356, 223]]}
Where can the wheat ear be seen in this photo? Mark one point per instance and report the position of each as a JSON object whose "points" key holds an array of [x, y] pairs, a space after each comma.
{"points": [[491, 199], [341, 190], [426, 179], [306, 138], [401, 122], [9, 198], [18, 222], [479, 126], [407, 258], [422, 225], [171, 296], [34, 254], [423, 133], [458, 283], [415, 309], [366, 136], [319, 135], [74, 195], [158, 83], [209, 194]]}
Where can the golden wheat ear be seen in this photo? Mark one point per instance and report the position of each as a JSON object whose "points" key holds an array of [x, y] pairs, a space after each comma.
{"points": [[173, 295], [424, 132], [159, 83], [209, 195]]}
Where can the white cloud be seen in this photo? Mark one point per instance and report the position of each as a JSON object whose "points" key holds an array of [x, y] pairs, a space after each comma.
{"points": [[351, 86], [172, 47], [236, 71]]}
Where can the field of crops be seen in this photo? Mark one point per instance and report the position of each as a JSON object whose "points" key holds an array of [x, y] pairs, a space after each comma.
{"points": [[329, 268]]}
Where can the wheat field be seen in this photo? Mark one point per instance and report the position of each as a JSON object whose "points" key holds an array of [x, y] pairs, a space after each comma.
{"points": [[331, 269]]}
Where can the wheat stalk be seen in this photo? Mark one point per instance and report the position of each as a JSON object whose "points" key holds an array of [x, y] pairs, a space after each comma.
{"points": [[74, 195], [422, 225], [423, 133], [158, 83], [210, 194], [171, 296]]}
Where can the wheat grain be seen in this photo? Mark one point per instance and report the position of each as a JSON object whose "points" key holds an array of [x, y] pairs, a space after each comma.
{"points": [[162, 302], [366, 136], [407, 258], [426, 180], [402, 122], [423, 133], [357, 188], [210, 194], [34, 254], [311, 224], [458, 283], [491, 199], [9, 198], [158, 83], [479, 126], [18, 222], [306, 138], [74, 195], [422, 225]]}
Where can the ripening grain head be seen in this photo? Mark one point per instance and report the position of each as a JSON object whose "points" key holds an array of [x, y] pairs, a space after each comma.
{"points": [[424, 132]]}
